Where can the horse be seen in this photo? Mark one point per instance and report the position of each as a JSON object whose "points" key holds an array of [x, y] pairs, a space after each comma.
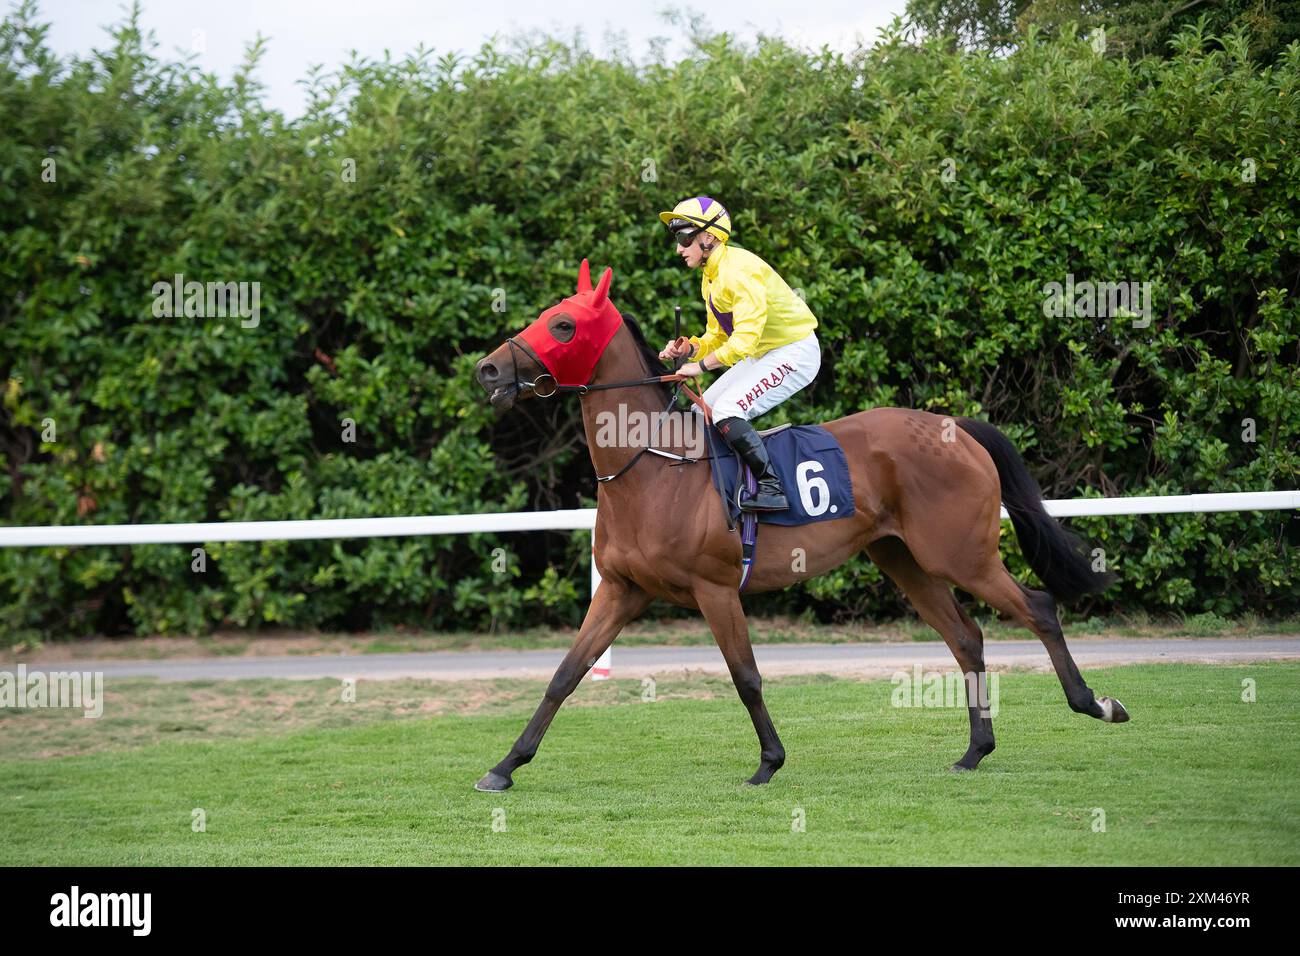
{"points": [[926, 489]]}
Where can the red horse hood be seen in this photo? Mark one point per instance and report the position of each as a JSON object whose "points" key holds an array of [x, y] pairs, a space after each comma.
{"points": [[595, 319]]}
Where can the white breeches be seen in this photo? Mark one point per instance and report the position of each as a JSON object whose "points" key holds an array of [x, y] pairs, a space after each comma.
{"points": [[755, 385]]}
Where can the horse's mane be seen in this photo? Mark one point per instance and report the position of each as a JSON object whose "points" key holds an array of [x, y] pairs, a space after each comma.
{"points": [[648, 353]]}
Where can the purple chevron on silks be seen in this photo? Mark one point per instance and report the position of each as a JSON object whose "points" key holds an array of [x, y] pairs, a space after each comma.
{"points": [[724, 318], [705, 202]]}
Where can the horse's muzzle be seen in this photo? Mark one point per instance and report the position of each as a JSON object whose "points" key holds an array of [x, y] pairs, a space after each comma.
{"points": [[500, 389]]}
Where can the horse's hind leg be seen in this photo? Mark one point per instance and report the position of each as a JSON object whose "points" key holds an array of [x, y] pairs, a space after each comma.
{"points": [[726, 618], [938, 607], [613, 606], [1036, 611]]}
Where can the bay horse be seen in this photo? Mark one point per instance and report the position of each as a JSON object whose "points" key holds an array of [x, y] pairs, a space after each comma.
{"points": [[926, 489]]}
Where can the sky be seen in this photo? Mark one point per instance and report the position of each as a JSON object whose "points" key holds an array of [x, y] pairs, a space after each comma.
{"points": [[306, 32]]}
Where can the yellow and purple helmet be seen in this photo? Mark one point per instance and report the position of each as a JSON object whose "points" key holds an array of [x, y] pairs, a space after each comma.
{"points": [[696, 215]]}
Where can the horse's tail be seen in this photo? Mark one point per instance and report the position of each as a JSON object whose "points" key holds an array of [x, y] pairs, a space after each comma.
{"points": [[1057, 556]]}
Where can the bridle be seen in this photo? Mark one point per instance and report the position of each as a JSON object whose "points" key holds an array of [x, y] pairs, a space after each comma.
{"points": [[675, 379]]}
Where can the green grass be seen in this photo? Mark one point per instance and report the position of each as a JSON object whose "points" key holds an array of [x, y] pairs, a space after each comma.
{"points": [[144, 711], [1198, 777]]}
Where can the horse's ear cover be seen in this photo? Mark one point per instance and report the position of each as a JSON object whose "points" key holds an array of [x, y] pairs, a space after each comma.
{"points": [[596, 320]]}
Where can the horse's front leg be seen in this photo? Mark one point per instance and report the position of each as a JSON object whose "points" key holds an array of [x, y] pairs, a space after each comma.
{"points": [[726, 618], [613, 606]]}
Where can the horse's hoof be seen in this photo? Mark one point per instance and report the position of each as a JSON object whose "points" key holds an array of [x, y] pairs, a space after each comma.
{"points": [[958, 768], [494, 783], [1113, 711]]}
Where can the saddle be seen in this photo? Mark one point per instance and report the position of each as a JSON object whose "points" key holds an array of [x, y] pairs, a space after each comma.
{"points": [[814, 474]]}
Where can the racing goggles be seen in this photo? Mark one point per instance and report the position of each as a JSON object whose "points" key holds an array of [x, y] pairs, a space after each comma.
{"points": [[684, 231]]}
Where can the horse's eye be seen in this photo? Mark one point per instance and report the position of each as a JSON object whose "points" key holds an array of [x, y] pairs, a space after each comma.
{"points": [[563, 328]]}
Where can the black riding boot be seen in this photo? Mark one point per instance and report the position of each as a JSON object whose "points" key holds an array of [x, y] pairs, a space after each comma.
{"points": [[747, 443]]}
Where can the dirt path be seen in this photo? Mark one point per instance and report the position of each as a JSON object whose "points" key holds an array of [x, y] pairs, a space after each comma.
{"points": [[874, 659]]}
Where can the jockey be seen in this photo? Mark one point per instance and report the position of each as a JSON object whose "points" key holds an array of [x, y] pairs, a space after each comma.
{"points": [[757, 328]]}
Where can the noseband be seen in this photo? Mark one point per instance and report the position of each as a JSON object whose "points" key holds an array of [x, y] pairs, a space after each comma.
{"points": [[514, 362]]}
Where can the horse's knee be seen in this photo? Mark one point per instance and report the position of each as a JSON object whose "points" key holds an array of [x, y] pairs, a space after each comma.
{"points": [[971, 654], [749, 685], [563, 683]]}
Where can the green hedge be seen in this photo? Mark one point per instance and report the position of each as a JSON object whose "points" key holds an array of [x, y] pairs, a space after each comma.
{"points": [[481, 182]]}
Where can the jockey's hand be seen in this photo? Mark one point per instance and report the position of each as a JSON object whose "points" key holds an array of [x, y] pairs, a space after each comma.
{"points": [[691, 370], [676, 349]]}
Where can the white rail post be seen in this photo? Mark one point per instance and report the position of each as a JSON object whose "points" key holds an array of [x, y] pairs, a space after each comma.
{"points": [[606, 661]]}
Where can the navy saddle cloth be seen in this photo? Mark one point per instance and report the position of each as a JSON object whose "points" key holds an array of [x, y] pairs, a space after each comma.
{"points": [[811, 465]]}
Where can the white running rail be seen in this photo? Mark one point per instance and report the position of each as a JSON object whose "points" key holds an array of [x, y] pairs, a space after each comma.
{"points": [[577, 518]]}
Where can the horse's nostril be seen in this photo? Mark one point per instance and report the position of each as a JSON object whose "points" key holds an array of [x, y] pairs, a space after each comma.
{"points": [[487, 372]]}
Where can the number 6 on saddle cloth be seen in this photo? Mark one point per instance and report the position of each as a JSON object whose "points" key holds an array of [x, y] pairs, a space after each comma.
{"points": [[812, 468]]}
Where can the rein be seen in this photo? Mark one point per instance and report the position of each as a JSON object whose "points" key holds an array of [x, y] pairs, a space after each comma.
{"points": [[675, 379], [554, 387]]}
